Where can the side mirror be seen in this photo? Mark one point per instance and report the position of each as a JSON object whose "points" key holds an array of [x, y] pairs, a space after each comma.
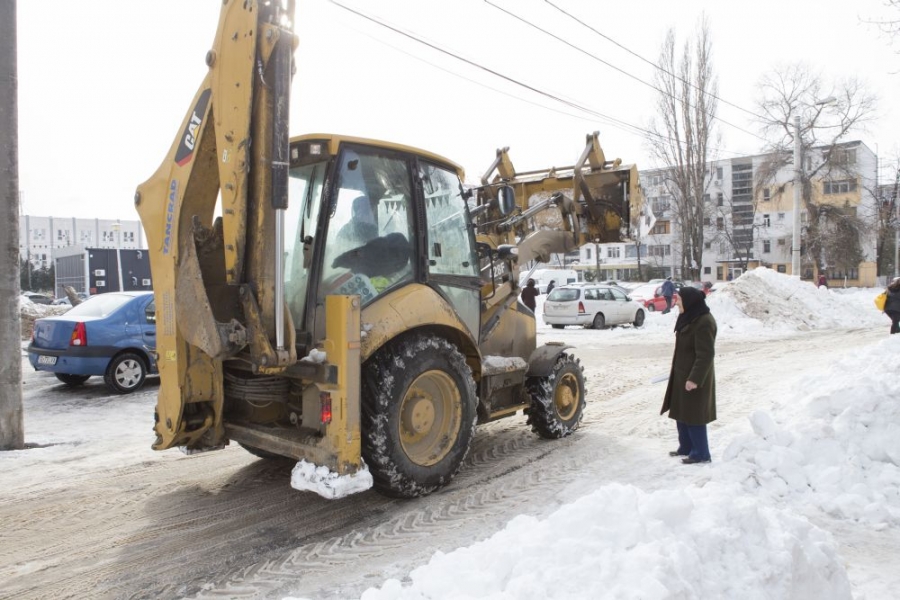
{"points": [[485, 252], [506, 200]]}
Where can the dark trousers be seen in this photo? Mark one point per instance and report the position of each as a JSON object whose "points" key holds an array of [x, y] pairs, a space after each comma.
{"points": [[668, 303], [895, 320], [692, 441]]}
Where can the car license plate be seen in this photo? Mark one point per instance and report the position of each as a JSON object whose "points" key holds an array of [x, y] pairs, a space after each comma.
{"points": [[46, 360]]}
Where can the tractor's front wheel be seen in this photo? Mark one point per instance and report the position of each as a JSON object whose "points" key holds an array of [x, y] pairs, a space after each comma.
{"points": [[418, 415], [557, 400]]}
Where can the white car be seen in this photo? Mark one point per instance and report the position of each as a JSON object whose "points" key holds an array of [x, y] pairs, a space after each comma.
{"points": [[596, 306]]}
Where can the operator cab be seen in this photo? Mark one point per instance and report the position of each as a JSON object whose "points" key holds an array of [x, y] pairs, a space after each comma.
{"points": [[368, 218]]}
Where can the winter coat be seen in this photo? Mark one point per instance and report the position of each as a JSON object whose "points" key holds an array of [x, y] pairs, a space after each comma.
{"points": [[529, 293], [893, 300], [668, 288], [693, 361]]}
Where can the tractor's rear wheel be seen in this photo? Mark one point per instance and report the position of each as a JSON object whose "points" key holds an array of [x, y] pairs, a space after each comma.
{"points": [[557, 400], [419, 411]]}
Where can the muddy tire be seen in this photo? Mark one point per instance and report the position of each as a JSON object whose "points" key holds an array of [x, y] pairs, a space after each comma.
{"points": [[418, 415], [599, 321], [557, 400], [125, 373], [557, 326], [72, 380]]}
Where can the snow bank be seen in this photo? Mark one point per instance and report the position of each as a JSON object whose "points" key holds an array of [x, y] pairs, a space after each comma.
{"points": [[829, 448], [764, 302], [765, 299], [620, 542], [29, 312], [833, 443]]}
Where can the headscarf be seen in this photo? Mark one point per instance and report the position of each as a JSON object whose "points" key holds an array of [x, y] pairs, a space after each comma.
{"points": [[694, 303]]}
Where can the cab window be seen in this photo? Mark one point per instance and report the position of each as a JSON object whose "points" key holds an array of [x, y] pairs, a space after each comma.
{"points": [[451, 246], [368, 248]]}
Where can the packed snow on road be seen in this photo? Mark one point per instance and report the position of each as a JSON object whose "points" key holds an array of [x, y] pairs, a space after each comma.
{"points": [[801, 500]]}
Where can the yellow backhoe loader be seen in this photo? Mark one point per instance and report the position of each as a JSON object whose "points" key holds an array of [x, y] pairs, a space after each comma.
{"points": [[345, 302]]}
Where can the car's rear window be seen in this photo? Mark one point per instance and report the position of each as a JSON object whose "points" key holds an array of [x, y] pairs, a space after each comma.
{"points": [[99, 306], [564, 294]]}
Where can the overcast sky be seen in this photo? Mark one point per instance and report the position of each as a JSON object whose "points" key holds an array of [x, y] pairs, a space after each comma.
{"points": [[104, 84]]}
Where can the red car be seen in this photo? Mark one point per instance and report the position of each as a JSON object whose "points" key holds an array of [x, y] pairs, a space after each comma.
{"points": [[650, 297], [703, 286]]}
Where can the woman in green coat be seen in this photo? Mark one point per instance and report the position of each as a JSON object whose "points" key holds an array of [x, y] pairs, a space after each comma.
{"points": [[691, 395]]}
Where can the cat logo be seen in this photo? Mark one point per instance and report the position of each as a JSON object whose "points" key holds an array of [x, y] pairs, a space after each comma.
{"points": [[189, 138]]}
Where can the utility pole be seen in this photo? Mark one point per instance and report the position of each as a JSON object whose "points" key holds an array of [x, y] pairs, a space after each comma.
{"points": [[895, 205], [12, 434], [798, 185]]}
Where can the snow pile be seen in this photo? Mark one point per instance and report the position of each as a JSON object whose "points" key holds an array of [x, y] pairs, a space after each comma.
{"points": [[835, 444], [828, 449], [29, 312], [763, 302], [620, 542], [320, 479], [763, 298]]}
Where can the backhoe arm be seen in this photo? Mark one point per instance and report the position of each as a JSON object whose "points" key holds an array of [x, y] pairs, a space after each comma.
{"points": [[540, 213], [216, 283], [533, 215]]}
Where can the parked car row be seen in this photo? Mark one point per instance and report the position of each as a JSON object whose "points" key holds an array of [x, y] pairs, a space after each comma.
{"points": [[591, 305], [66, 302], [37, 298], [650, 296], [112, 335], [600, 305]]}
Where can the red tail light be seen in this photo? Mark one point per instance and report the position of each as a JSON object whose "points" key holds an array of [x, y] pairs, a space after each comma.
{"points": [[581, 310], [79, 335], [325, 401]]}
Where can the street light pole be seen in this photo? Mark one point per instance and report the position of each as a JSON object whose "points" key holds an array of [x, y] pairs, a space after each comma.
{"points": [[798, 183], [117, 226]]}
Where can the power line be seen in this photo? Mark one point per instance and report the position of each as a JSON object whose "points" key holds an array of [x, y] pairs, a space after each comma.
{"points": [[612, 121], [624, 127], [472, 63], [612, 66], [651, 63]]}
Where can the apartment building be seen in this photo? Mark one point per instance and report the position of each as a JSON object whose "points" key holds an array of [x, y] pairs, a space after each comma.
{"points": [[748, 222], [40, 236]]}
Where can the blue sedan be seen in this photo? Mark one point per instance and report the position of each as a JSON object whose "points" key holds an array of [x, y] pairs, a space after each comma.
{"points": [[113, 335]]}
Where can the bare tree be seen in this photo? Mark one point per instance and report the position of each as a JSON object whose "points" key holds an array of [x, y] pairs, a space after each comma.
{"points": [[887, 223], [832, 232], [740, 238], [889, 25], [680, 135]]}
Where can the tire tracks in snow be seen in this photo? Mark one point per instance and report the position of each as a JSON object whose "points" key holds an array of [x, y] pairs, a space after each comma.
{"points": [[228, 525]]}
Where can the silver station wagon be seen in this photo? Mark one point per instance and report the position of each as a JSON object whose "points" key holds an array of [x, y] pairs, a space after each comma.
{"points": [[596, 306]]}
